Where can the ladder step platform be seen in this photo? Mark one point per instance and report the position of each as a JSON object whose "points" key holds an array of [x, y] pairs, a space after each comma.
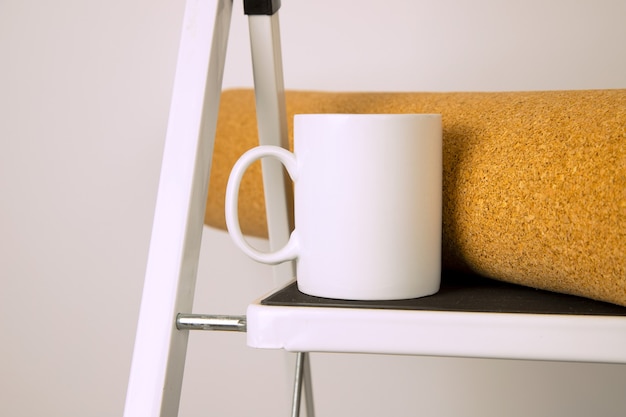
{"points": [[470, 316]]}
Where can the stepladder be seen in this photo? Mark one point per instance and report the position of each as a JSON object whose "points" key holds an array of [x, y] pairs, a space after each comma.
{"points": [[154, 387], [165, 318]]}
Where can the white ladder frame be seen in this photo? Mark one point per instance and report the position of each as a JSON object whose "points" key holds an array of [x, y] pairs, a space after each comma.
{"points": [[160, 349]]}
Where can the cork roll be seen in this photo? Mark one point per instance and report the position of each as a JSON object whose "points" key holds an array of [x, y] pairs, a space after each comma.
{"points": [[534, 183]]}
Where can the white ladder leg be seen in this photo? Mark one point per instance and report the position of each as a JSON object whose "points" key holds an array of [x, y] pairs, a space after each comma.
{"points": [[269, 93], [160, 350], [272, 127]]}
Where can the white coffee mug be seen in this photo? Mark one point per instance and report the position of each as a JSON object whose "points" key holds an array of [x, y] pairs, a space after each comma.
{"points": [[367, 202]]}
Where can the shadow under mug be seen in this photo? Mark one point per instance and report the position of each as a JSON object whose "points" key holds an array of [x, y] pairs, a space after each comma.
{"points": [[367, 202]]}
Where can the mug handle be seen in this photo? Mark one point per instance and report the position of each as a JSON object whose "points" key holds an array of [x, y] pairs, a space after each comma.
{"points": [[290, 250]]}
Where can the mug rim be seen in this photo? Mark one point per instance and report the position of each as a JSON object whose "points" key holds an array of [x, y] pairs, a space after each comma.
{"points": [[368, 115]]}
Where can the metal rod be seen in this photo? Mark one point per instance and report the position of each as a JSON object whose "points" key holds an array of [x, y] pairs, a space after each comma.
{"points": [[308, 386], [211, 322], [269, 91], [297, 385]]}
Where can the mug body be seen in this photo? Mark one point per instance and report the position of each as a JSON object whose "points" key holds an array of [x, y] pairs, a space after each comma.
{"points": [[368, 204]]}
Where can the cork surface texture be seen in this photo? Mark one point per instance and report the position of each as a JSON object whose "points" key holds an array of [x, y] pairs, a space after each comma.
{"points": [[534, 189]]}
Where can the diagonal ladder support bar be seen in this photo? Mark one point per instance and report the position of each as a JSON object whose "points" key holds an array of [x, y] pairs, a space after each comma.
{"points": [[302, 386], [160, 349], [272, 128], [271, 113]]}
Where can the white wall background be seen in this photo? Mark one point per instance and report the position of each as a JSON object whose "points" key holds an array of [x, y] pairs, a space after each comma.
{"points": [[84, 95]]}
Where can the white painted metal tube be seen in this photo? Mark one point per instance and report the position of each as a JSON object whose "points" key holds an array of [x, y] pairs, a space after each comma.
{"points": [[272, 124], [160, 349]]}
